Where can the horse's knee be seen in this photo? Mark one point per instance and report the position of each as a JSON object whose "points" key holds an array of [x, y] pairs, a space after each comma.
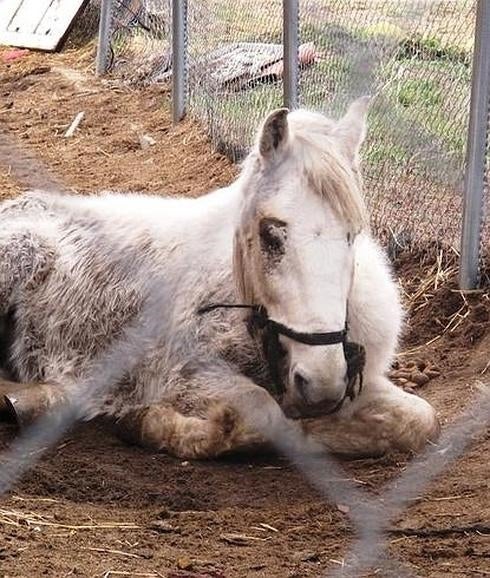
{"points": [[259, 413], [162, 428]]}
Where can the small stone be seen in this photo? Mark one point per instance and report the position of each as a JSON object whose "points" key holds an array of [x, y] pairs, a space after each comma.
{"points": [[163, 527], [147, 141], [419, 378], [432, 372], [306, 556], [184, 563], [342, 508]]}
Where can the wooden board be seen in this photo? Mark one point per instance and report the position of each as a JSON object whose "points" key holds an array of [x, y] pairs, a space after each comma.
{"points": [[40, 24], [244, 65]]}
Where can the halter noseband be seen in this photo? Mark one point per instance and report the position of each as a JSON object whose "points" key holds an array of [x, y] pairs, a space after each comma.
{"points": [[354, 353]]}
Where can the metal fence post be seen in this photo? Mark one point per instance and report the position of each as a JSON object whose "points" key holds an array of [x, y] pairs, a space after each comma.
{"points": [[103, 45], [475, 173], [290, 11], [179, 59]]}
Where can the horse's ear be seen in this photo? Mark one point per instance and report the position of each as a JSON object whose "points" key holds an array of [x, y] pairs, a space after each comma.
{"points": [[273, 135], [352, 127]]}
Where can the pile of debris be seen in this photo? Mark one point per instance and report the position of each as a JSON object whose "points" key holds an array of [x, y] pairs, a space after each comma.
{"points": [[231, 67]]}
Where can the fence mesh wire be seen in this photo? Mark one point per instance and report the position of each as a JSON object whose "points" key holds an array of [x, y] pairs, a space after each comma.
{"points": [[234, 50], [413, 55], [139, 39], [85, 28]]}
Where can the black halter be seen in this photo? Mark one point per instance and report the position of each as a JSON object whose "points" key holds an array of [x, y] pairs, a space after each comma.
{"points": [[354, 353]]}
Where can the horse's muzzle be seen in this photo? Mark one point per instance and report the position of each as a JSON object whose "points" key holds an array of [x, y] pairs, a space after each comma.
{"points": [[300, 410]]}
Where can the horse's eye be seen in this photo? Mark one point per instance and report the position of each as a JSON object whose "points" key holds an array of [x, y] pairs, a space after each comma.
{"points": [[273, 235]]}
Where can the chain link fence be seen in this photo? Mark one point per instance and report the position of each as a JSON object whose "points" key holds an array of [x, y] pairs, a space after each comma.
{"points": [[138, 38], [234, 50], [414, 56]]}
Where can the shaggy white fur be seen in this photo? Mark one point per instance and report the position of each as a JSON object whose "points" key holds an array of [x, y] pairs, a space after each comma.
{"points": [[290, 234]]}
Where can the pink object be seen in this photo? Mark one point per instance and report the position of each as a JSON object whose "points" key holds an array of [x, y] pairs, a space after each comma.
{"points": [[13, 55], [307, 55]]}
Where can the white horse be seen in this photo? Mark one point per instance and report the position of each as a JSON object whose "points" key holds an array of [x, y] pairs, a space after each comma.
{"points": [[289, 240]]}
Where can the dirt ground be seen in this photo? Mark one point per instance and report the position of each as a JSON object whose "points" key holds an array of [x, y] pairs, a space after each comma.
{"points": [[94, 506]]}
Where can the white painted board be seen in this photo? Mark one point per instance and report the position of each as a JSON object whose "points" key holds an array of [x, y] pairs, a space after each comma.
{"points": [[40, 24]]}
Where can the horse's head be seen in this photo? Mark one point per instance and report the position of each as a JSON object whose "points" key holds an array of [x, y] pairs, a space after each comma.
{"points": [[295, 244]]}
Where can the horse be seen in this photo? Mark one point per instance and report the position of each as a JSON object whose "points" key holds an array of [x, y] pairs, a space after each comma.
{"points": [[277, 307]]}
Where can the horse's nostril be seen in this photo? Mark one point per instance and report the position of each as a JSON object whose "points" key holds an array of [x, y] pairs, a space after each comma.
{"points": [[301, 384]]}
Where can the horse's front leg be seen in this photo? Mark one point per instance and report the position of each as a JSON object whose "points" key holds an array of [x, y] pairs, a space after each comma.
{"points": [[382, 419], [217, 414]]}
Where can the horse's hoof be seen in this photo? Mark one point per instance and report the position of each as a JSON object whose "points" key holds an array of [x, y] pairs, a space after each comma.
{"points": [[28, 404]]}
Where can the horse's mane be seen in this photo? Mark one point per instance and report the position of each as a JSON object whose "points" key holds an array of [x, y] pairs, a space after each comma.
{"points": [[326, 166]]}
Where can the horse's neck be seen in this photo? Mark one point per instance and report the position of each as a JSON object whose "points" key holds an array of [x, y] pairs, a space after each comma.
{"points": [[201, 229], [218, 209], [204, 229]]}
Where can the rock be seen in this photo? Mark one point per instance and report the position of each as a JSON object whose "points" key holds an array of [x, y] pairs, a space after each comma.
{"points": [[163, 527], [306, 556], [432, 372], [419, 378], [401, 374], [184, 563], [147, 141]]}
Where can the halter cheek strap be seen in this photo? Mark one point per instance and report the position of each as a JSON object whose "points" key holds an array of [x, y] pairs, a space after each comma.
{"points": [[354, 353]]}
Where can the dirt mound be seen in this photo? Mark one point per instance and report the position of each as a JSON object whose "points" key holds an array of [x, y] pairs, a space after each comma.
{"points": [[40, 96], [437, 310]]}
